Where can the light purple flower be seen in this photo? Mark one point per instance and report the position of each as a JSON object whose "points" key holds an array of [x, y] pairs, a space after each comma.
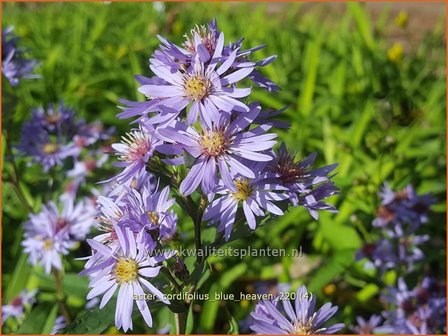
{"points": [[269, 318], [404, 208], [51, 233], [204, 84], [227, 148], [16, 307], [134, 152], [254, 195], [149, 210], [306, 186], [48, 136], [125, 269]]}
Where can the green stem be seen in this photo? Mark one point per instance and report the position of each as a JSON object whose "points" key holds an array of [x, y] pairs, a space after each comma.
{"points": [[15, 176], [181, 322], [170, 277], [60, 295], [197, 229]]}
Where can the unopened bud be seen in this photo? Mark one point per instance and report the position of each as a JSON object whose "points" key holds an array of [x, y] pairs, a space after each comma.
{"points": [[180, 270]]}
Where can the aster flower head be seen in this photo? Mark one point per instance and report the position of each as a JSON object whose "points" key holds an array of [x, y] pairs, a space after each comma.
{"points": [[43, 148], [403, 207], [48, 136], [256, 196], [134, 152], [229, 148], [52, 232], [16, 307], [201, 75], [45, 241], [204, 36], [301, 319], [306, 186], [150, 210], [14, 65], [125, 269], [202, 84]]}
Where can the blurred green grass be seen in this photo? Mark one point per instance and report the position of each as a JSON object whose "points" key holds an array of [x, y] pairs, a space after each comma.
{"points": [[379, 113]]}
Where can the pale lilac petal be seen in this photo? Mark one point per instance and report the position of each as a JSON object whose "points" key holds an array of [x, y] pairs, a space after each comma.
{"points": [[236, 76], [162, 91], [193, 178], [249, 216]]}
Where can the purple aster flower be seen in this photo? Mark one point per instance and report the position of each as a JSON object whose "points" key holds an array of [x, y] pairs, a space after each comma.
{"points": [[135, 151], [226, 148], [16, 307], [14, 65], [204, 39], [125, 269], [59, 324], [255, 196], [149, 210], [421, 310], [56, 119], [306, 186], [38, 144], [48, 136], [44, 243], [366, 327], [201, 74], [403, 207], [203, 85], [269, 318], [51, 233]]}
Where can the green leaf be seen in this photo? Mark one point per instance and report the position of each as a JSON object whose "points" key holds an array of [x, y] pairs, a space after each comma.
{"points": [[19, 278], [362, 21], [311, 63], [367, 292], [40, 320]]}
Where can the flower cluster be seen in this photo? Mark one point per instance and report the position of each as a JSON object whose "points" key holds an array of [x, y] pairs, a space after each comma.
{"points": [[53, 135], [50, 233], [400, 215], [196, 117], [198, 134], [302, 319], [14, 65], [421, 310], [135, 219]]}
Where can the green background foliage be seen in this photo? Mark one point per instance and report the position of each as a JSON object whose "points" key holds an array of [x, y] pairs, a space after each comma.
{"points": [[382, 118]]}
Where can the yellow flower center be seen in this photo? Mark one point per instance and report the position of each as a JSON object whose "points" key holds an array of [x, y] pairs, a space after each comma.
{"points": [[244, 190], [48, 244], [126, 270], [50, 148], [214, 145], [197, 87], [153, 217]]}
